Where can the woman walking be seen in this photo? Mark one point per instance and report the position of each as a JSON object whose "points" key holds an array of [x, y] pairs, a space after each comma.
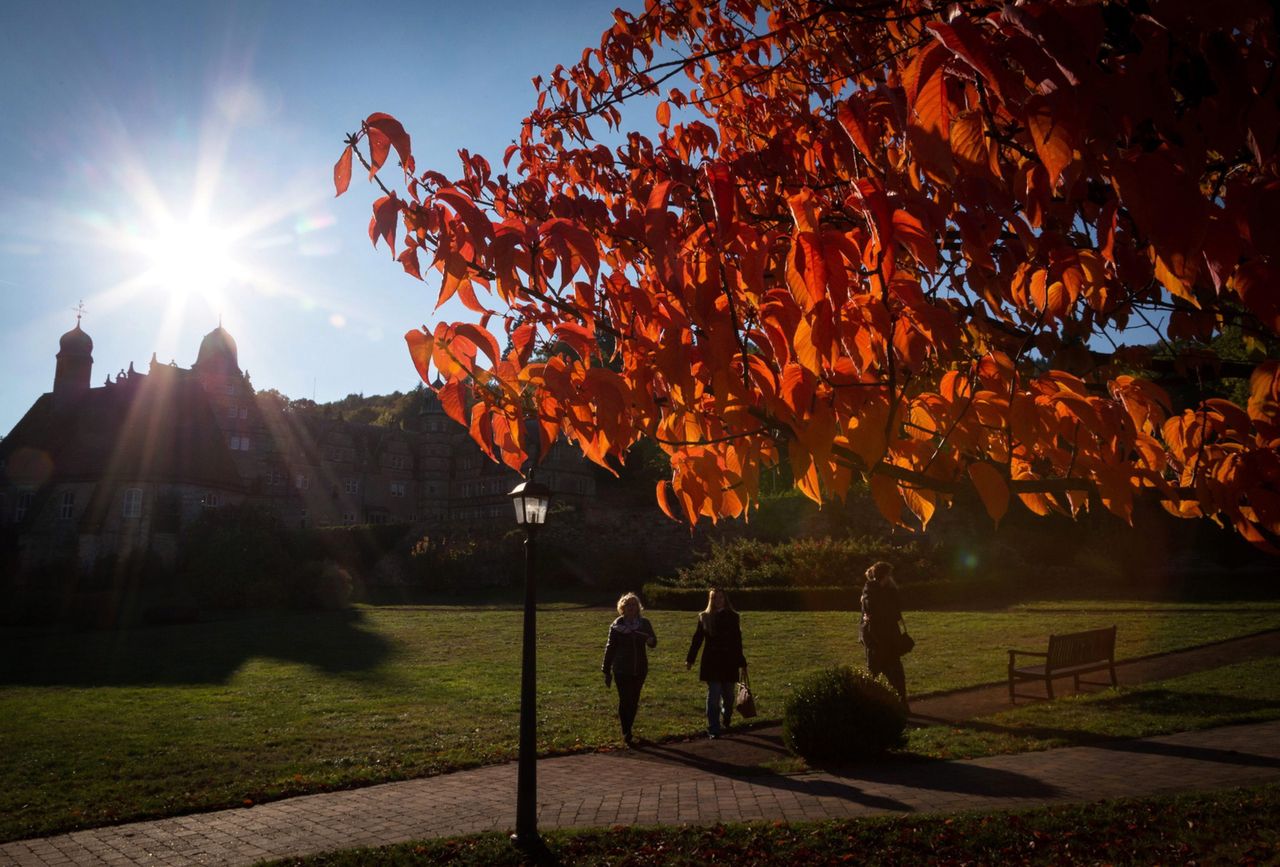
{"points": [[879, 632], [625, 660], [722, 659]]}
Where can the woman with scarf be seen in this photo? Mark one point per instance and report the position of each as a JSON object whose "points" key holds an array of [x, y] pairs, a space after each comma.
{"points": [[625, 659]]}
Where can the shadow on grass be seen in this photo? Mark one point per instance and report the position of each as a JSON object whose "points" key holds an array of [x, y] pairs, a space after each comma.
{"points": [[1219, 710], [333, 642]]}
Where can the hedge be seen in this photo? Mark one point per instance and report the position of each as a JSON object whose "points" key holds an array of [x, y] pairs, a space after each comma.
{"points": [[915, 596]]}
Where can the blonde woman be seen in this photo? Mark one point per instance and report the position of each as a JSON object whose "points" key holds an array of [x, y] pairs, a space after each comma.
{"points": [[626, 661], [722, 659], [879, 632]]}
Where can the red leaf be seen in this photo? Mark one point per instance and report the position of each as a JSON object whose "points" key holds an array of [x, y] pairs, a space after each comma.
{"points": [[453, 402], [383, 224], [420, 345], [522, 341], [390, 129], [476, 222], [379, 147], [409, 260], [722, 197], [967, 42], [342, 172], [481, 337], [664, 113]]}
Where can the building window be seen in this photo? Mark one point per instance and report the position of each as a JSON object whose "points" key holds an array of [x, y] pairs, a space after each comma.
{"points": [[231, 411], [348, 518], [301, 482], [25, 499], [209, 500], [133, 503], [397, 489], [398, 462], [244, 412], [431, 487], [378, 518], [239, 443], [68, 506], [302, 519], [353, 486], [229, 388]]}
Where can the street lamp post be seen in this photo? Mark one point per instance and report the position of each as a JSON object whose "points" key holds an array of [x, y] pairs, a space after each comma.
{"points": [[530, 499]]}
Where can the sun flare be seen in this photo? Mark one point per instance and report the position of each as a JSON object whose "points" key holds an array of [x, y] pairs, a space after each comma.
{"points": [[191, 258]]}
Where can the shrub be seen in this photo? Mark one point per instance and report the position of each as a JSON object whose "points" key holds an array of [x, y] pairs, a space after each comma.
{"points": [[234, 558], [806, 562], [322, 585], [841, 715]]}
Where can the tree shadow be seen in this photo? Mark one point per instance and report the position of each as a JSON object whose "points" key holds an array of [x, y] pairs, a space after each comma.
{"points": [[1224, 709], [333, 642], [842, 782]]}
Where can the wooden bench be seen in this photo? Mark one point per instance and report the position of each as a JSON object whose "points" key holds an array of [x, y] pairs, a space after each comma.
{"points": [[1073, 654]]}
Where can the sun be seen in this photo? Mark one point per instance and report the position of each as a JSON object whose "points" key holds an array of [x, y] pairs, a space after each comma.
{"points": [[191, 258]]}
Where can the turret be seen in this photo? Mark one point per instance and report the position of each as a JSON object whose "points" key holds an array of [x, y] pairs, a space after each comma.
{"points": [[75, 364]]}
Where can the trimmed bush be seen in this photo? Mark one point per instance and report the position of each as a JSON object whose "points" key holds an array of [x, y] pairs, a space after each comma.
{"points": [[841, 715], [754, 598], [806, 562], [915, 597]]}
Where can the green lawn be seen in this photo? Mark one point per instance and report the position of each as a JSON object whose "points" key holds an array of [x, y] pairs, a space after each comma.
{"points": [[101, 727], [1241, 693]]}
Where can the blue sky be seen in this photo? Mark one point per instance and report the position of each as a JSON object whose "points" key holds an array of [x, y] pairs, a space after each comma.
{"points": [[170, 162]]}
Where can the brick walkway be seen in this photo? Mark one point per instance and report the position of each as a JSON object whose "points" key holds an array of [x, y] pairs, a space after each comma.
{"points": [[670, 784]]}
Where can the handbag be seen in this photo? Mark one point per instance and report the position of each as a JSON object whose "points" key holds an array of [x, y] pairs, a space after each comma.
{"points": [[746, 702], [905, 643]]}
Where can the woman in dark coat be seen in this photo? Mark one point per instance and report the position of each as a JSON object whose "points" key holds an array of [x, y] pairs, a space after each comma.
{"points": [[722, 658], [879, 632], [625, 659]]}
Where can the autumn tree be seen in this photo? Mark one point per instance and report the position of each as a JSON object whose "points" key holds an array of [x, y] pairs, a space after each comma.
{"points": [[898, 239]]}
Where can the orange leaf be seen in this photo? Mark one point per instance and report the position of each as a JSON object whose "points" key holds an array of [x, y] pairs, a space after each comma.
{"points": [[1049, 134], [453, 402], [420, 344], [482, 337], [884, 491], [664, 113], [991, 488]]}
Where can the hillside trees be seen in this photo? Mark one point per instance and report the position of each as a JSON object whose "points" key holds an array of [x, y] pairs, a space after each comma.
{"points": [[896, 239]]}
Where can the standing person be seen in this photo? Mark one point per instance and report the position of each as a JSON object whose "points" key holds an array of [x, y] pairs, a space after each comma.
{"points": [[722, 658], [625, 660], [879, 632]]}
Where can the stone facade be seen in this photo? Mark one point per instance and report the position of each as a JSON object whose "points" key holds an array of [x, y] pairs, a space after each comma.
{"points": [[125, 466]]}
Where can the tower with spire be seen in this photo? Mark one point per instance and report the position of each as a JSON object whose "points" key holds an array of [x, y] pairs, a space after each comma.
{"points": [[75, 363]]}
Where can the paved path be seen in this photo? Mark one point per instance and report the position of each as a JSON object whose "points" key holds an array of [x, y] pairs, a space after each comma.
{"points": [[682, 783]]}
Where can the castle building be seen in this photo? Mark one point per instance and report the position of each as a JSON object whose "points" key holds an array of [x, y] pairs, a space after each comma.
{"points": [[126, 466]]}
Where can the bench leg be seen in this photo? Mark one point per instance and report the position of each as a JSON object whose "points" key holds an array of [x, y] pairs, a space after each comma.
{"points": [[1077, 682], [1114, 682], [1048, 687]]}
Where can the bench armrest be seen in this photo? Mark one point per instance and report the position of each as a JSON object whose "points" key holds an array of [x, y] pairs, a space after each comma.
{"points": [[1013, 653]]}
